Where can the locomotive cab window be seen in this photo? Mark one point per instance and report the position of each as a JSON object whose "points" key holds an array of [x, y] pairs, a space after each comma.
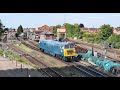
{"points": [[72, 45], [69, 46], [62, 47]]}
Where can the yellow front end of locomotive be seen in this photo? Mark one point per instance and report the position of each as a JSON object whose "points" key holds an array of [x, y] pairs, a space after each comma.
{"points": [[70, 52]]}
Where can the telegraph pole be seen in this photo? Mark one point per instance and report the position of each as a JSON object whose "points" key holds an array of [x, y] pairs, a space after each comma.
{"points": [[64, 25], [64, 18]]}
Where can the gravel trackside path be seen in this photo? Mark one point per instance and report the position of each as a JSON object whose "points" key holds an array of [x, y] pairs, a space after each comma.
{"points": [[13, 69]]}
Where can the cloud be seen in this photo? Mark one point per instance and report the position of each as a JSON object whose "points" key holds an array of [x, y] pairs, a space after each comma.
{"points": [[95, 17]]}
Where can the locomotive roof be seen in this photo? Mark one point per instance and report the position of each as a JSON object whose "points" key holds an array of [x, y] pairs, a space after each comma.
{"points": [[52, 42]]}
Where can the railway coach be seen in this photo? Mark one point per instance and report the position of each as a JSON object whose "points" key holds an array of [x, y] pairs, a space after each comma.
{"points": [[62, 50]]}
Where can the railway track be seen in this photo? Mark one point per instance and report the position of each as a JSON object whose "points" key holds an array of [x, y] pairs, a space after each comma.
{"points": [[99, 54], [94, 72], [90, 72], [108, 57], [49, 71], [32, 42]]}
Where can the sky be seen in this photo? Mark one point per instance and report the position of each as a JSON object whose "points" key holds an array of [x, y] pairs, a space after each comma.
{"points": [[34, 20]]}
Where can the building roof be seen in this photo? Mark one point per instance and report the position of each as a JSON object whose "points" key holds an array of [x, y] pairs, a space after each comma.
{"points": [[117, 29], [52, 42], [45, 32], [93, 28], [39, 31], [85, 28]]}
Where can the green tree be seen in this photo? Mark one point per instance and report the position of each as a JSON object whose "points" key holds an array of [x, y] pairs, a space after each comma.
{"points": [[20, 29], [1, 28], [16, 34], [76, 31], [69, 28], [114, 39], [6, 29], [81, 35], [55, 29], [89, 37], [106, 32], [117, 45], [81, 25], [97, 39], [72, 30]]}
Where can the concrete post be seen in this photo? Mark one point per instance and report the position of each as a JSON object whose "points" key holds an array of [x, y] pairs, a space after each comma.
{"points": [[21, 67], [65, 36], [16, 63]]}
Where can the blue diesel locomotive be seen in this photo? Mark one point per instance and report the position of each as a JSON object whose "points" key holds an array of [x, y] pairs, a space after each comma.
{"points": [[62, 50]]}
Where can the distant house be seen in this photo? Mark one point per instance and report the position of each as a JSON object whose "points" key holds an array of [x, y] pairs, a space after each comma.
{"points": [[61, 32], [96, 30], [11, 33], [41, 35], [46, 35], [116, 31], [29, 29], [90, 30], [32, 29]]}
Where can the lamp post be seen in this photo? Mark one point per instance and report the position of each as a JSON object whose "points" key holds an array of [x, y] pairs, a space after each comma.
{"points": [[104, 47], [5, 50], [20, 59], [105, 53], [21, 67], [113, 47], [28, 75], [13, 58], [16, 63]]}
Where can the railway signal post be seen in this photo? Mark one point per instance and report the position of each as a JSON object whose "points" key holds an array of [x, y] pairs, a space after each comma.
{"points": [[13, 58], [28, 75], [21, 67], [0, 46], [16, 63]]}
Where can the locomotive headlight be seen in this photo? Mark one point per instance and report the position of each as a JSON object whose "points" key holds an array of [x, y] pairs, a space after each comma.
{"points": [[61, 48]]}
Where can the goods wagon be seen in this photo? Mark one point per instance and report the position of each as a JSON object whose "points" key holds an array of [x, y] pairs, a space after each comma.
{"points": [[104, 64]]}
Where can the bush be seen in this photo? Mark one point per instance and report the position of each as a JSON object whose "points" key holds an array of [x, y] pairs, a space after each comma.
{"points": [[118, 45], [1, 51], [114, 40]]}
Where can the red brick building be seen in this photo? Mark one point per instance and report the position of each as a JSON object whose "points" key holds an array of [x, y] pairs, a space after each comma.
{"points": [[45, 27]]}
